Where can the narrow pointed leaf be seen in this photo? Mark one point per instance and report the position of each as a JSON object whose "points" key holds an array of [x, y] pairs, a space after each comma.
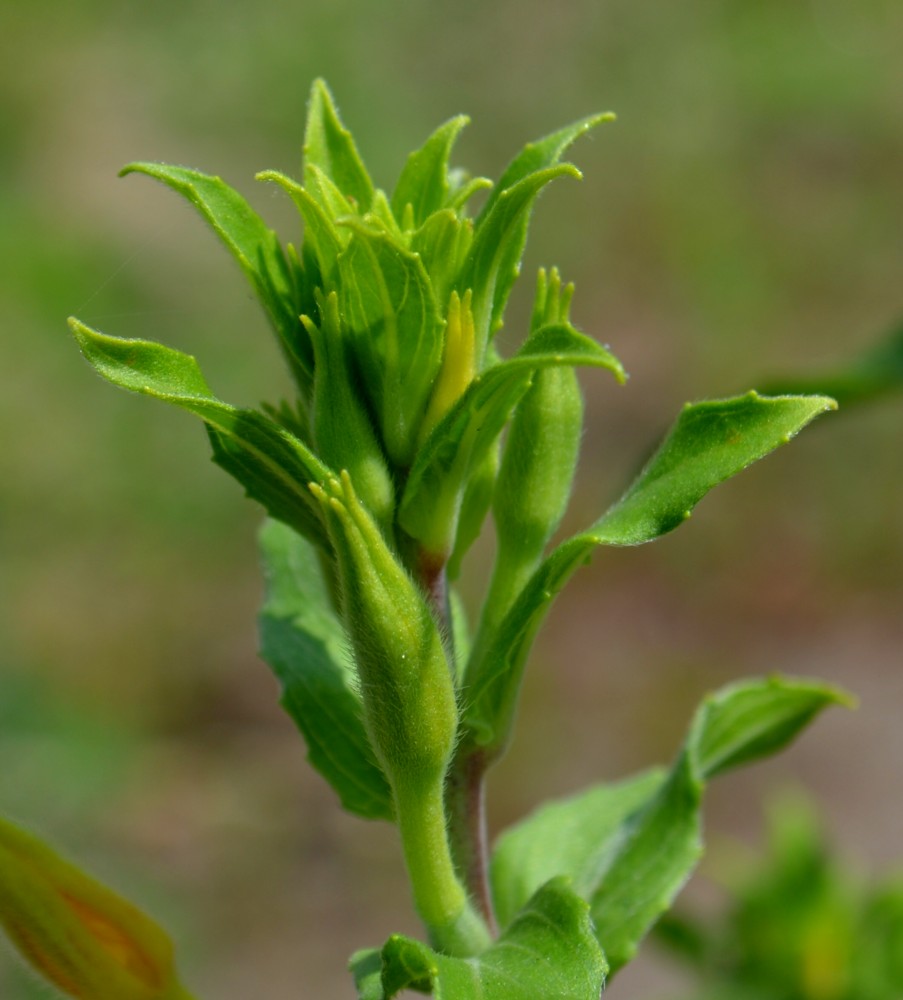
{"points": [[273, 465], [394, 322], [330, 146], [320, 232], [256, 248], [498, 245], [548, 951], [630, 847], [423, 183], [710, 442], [501, 227], [304, 643], [539, 155], [461, 440]]}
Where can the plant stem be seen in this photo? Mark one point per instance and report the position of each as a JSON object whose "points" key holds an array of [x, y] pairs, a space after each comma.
{"points": [[454, 925], [466, 803]]}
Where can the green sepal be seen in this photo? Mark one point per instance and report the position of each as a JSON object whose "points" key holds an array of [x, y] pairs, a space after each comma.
{"points": [[460, 441], [423, 183], [630, 847], [501, 226], [329, 146], [274, 467], [548, 951], [253, 245], [710, 442], [303, 641], [393, 321]]}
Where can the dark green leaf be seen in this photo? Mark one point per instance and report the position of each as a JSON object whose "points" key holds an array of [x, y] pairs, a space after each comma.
{"points": [[272, 464], [303, 641], [710, 442], [252, 244], [330, 146], [549, 951], [630, 847]]}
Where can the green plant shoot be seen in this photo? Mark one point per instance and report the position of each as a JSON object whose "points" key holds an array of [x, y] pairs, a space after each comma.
{"points": [[407, 430]]}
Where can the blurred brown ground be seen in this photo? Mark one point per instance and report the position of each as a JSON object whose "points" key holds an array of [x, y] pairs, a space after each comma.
{"points": [[741, 219]]}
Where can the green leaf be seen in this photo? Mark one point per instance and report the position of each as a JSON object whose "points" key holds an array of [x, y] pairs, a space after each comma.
{"points": [[443, 243], [710, 442], [273, 465], [423, 183], [329, 146], [501, 227], [320, 231], [304, 643], [548, 951], [461, 440], [393, 320], [498, 245], [252, 244], [630, 847]]}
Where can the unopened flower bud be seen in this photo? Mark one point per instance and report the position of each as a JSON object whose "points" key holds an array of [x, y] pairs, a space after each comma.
{"points": [[408, 694], [81, 936]]}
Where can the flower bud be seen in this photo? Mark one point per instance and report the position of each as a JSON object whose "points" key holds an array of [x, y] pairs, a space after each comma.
{"points": [[406, 684], [458, 361], [344, 434], [85, 939]]}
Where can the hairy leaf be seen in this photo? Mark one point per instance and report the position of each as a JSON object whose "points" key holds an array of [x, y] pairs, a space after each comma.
{"points": [[393, 320], [630, 847], [271, 463], [303, 641], [548, 951], [710, 442], [423, 183], [501, 227], [252, 244], [329, 146]]}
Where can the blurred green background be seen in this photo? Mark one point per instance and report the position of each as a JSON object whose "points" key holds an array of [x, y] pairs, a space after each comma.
{"points": [[742, 219]]}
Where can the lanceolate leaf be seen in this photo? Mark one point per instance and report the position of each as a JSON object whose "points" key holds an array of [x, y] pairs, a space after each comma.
{"points": [[303, 641], [423, 183], [252, 244], [329, 146], [462, 438], [548, 951], [494, 260], [710, 442], [393, 320], [630, 847], [501, 227], [272, 464]]}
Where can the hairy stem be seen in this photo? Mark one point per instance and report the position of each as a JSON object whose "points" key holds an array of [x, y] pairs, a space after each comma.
{"points": [[454, 925], [466, 805]]}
